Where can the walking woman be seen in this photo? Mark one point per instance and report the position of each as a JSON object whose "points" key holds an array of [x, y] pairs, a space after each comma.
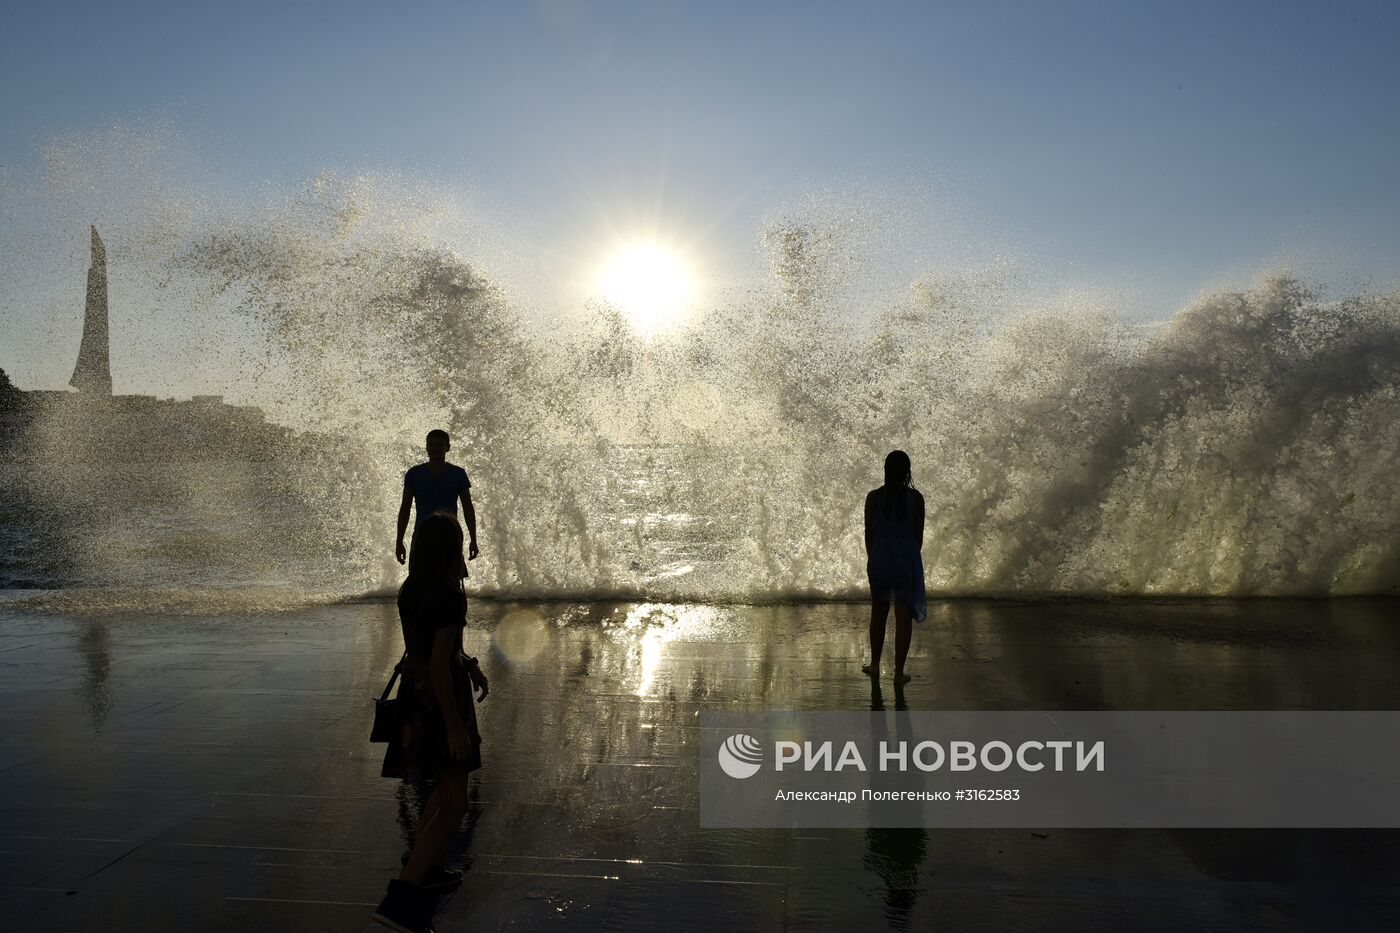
{"points": [[894, 541], [439, 741]]}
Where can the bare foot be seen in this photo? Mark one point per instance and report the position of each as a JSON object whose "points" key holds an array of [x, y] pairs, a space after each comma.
{"points": [[900, 679], [870, 669]]}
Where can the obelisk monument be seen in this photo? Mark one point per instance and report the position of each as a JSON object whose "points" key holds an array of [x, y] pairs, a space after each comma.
{"points": [[93, 374]]}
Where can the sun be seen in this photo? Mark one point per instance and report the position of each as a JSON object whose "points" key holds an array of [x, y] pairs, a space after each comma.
{"points": [[649, 283]]}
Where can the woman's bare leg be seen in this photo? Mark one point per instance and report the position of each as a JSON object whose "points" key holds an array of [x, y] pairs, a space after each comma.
{"points": [[431, 807], [437, 832], [879, 611], [426, 816], [903, 634]]}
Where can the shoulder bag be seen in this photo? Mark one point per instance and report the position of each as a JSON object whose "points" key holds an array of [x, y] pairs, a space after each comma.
{"points": [[388, 713]]}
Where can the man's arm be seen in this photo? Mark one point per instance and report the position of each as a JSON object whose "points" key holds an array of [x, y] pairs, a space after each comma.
{"points": [[469, 513], [404, 507]]}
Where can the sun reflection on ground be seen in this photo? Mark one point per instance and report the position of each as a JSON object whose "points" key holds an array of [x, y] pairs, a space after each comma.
{"points": [[659, 624]]}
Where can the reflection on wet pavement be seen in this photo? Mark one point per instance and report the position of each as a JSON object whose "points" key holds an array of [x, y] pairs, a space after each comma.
{"points": [[214, 774]]}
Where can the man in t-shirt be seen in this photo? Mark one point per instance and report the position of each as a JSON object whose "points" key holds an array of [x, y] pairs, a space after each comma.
{"points": [[436, 486]]}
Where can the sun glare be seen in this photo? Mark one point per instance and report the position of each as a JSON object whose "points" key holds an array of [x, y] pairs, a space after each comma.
{"points": [[649, 283]]}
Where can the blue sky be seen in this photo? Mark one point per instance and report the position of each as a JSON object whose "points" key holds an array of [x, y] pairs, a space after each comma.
{"points": [[1167, 145]]}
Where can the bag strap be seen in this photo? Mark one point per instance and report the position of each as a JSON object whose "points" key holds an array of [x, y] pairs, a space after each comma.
{"points": [[390, 685]]}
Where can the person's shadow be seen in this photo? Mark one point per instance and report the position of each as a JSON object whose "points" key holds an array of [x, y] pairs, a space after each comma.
{"points": [[895, 854]]}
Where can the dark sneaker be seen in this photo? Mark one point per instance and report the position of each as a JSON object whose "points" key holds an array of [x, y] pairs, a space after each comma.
{"points": [[402, 909]]}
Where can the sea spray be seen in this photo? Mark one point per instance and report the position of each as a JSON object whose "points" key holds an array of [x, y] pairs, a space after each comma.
{"points": [[1242, 447]]}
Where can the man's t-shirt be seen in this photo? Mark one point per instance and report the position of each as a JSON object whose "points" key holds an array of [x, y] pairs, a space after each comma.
{"points": [[433, 493]]}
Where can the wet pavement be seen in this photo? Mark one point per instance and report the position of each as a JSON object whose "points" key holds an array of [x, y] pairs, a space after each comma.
{"points": [[213, 773]]}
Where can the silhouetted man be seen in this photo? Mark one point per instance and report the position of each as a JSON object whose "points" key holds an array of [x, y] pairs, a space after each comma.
{"points": [[436, 486]]}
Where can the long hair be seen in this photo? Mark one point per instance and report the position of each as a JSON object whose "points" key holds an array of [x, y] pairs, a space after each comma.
{"points": [[437, 551], [897, 474]]}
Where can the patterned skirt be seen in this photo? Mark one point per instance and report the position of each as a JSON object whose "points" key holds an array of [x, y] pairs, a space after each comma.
{"points": [[421, 752]]}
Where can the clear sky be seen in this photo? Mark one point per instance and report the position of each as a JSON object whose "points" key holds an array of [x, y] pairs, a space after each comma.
{"points": [[1162, 145]]}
